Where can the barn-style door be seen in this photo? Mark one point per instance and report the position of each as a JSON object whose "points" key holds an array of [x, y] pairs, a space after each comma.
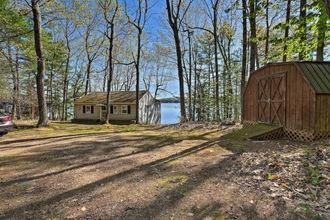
{"points": [[271, 99]]}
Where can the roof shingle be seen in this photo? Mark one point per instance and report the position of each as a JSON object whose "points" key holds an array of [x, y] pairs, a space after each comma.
{"points": [[115, 97]]}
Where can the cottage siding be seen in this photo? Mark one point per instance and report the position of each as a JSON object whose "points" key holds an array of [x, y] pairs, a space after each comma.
{"points": [[124, 116], [118, 115], [88, 116], [149, 111]]}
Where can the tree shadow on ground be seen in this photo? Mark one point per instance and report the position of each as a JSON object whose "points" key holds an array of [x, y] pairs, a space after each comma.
{"points": [[64, 156], [91, 186], [166, 200]]}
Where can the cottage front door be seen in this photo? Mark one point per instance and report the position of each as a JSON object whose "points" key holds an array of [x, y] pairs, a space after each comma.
{"points": [[271, 99]]}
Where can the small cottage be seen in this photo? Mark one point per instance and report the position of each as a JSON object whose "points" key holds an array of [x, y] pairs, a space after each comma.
{"points": [[292, 95], [92, 107]]}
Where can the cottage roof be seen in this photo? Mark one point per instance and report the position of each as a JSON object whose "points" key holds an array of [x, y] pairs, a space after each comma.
{"points": [[115, 97], [318, 74]]}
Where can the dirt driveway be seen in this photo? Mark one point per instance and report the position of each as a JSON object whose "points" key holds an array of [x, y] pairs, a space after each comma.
{"points": [[70, 171]]}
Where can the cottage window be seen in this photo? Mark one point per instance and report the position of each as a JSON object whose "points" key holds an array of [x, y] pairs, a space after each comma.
{"points": [[113, 109], [88, 109], [124, 109]]}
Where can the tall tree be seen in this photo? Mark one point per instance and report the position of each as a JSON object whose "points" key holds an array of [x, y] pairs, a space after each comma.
{"points": [[42, 106], [67, 30], [110, 10], [139, 22], [226, 35], [244, 54], [213, 14], [287, 25], [303, 31], [189, 76], [215, 6], [175, 17], [253, 34], [321, 27]]}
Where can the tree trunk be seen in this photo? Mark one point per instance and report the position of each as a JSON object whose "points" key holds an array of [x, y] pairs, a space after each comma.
{"points": [[87, 85], [107, 117], [174, 23], [195, 86], [320, 43], [215, 35], [253, 38], [42, 105], [302, 27], [327, 6], [137, 67], [321, 28], [14, 78], [66, 79], [180, 75], [141, 14], [111, 27], [244, 60], [286, 33], [267, 30], [17, 89], [189, 77]]}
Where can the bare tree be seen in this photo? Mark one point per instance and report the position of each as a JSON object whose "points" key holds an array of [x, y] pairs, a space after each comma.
{"points": [[109, 8], [175, 20], [93, 46], [139, 23], [67, 33]]}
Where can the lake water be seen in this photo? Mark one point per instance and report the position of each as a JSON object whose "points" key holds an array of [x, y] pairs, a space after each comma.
{"points": [[170, 113]]}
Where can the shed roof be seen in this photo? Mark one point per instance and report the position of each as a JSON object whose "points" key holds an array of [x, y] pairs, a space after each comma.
{"points": [[318, 74], [115, 97]]}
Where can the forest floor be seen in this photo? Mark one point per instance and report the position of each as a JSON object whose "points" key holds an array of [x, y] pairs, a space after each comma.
{"points": [[182, 171]]}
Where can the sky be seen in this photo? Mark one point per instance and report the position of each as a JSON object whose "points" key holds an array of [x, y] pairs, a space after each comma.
{"points": [[155, 23]]}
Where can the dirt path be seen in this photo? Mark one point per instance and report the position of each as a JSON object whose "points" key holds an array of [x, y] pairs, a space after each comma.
{"points": [[158, 173]]}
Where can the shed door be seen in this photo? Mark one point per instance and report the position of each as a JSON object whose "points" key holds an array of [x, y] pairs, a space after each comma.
{"points": [[271, 99]]}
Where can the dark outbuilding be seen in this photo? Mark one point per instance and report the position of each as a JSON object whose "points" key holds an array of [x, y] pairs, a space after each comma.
{"points": [[293, 95]]}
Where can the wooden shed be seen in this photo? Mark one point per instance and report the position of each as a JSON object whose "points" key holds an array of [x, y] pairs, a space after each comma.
{"points": [[293, 95]]}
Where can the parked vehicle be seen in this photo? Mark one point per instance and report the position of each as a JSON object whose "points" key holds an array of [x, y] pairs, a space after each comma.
{"points": [[6, 123]]}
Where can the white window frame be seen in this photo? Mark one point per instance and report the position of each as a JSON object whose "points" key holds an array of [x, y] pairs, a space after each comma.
{"points": [[115, 109], [88, 109], [124, 109]]}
